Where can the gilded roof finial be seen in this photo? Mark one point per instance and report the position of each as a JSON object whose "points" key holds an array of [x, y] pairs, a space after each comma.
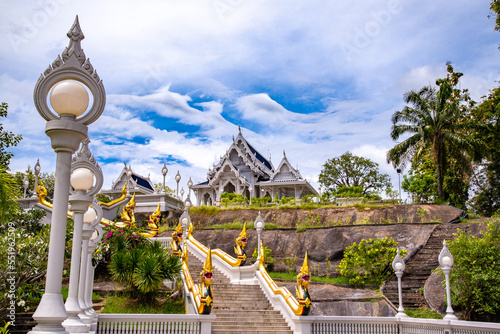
{"points": [[75, 35]]}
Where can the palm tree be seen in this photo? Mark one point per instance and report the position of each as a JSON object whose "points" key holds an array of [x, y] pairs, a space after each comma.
{"points": [[435, 120]]}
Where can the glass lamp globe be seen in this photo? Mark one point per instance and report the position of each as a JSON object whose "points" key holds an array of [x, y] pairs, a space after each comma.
{"points": [[446, 260], [187, 203], [398, 266], [69, 97], [178, 177], [82, 179], [184, 221], [259, 225], [190, 183], [89, 216]]}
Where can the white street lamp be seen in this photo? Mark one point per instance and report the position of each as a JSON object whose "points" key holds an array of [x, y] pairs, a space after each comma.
{"points": [[177, 179], [259, 225], [189, 184], [67, 80], [185, 219], [26, 183], [81, 180], [129, 178], [164, 171], [398, 265], [446, 262], [94, 240], [37, 171], [85, 171], [182, 193], [250, 190]]}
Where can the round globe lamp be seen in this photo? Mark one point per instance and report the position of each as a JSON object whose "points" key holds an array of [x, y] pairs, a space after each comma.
{"points": [[69, 97], [82, 179]]}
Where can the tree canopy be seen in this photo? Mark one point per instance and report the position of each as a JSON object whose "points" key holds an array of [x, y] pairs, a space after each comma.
{"points": [[7, 139], [436, 121], [359, 174]]}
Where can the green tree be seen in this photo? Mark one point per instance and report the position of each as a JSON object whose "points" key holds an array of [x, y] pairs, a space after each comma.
{"points": [[350, 171], [47, 179], [7, 139], [475, 278], [437, 122], [487, 197], [159, 188], [495, 7]]}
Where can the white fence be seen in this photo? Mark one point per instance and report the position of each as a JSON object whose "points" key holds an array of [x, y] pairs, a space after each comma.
{"points": [[380, 325], [154, 324]]}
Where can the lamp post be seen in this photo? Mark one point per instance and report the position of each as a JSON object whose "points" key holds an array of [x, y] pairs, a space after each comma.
{"points": [[94, 240], [182, 193], [189, 184], [446, 262], [67, 80], [398, 265], [177, 179], [250, 190], [37, 171], [129, 177], [399, 183], [259, 226], [185, 219], [26, 182], [81, 180], [164, 171]]}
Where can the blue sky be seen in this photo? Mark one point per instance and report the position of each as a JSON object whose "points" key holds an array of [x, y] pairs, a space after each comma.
{"points": [[315, 78]]}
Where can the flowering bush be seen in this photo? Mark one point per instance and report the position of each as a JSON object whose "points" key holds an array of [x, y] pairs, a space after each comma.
{"points": [[369, 261], [24, 245]]}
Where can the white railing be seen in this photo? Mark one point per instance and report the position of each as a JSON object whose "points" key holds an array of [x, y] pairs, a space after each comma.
{"points": [[386, 325], [154, 324]]}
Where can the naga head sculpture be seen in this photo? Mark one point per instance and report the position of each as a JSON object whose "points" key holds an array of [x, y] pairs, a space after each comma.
{"points": [[177, 235], [41, 190], [304, 276], [131, 204], [155, 216], [207, 273], [242, 238]]}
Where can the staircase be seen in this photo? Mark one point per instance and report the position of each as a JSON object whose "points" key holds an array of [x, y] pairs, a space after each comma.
{"points": [[419, 268], [239, 308]]}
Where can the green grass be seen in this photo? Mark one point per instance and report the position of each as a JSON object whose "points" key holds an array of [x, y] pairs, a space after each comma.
{"points": [[122, 303], [423, 312], [293, 277]]}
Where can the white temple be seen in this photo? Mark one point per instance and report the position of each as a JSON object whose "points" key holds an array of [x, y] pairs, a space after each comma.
{"points": [[243, 170]]}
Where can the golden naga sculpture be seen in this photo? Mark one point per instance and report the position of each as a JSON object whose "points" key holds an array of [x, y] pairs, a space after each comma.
{"points": [[153, 222], [41, 193], [127, 215], [118, 200], [240, 261], [303, 305], [241, 242], [175, 245], [202, 294]]}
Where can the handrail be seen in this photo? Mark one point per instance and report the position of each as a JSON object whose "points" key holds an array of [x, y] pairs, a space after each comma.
{"points": [[240, 261], [202, 294], [302, 306]]}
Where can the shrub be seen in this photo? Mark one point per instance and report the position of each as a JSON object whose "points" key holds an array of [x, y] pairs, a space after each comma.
{"points": [[475, 277], [369, 261], [142, 269], [267, 254]]}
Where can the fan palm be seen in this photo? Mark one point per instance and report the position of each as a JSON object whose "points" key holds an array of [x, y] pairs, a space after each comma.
{"points": [[434, 120]]}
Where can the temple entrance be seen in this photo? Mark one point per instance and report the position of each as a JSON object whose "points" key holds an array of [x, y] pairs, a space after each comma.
{"points": [[230, 188], [207, 200]]}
